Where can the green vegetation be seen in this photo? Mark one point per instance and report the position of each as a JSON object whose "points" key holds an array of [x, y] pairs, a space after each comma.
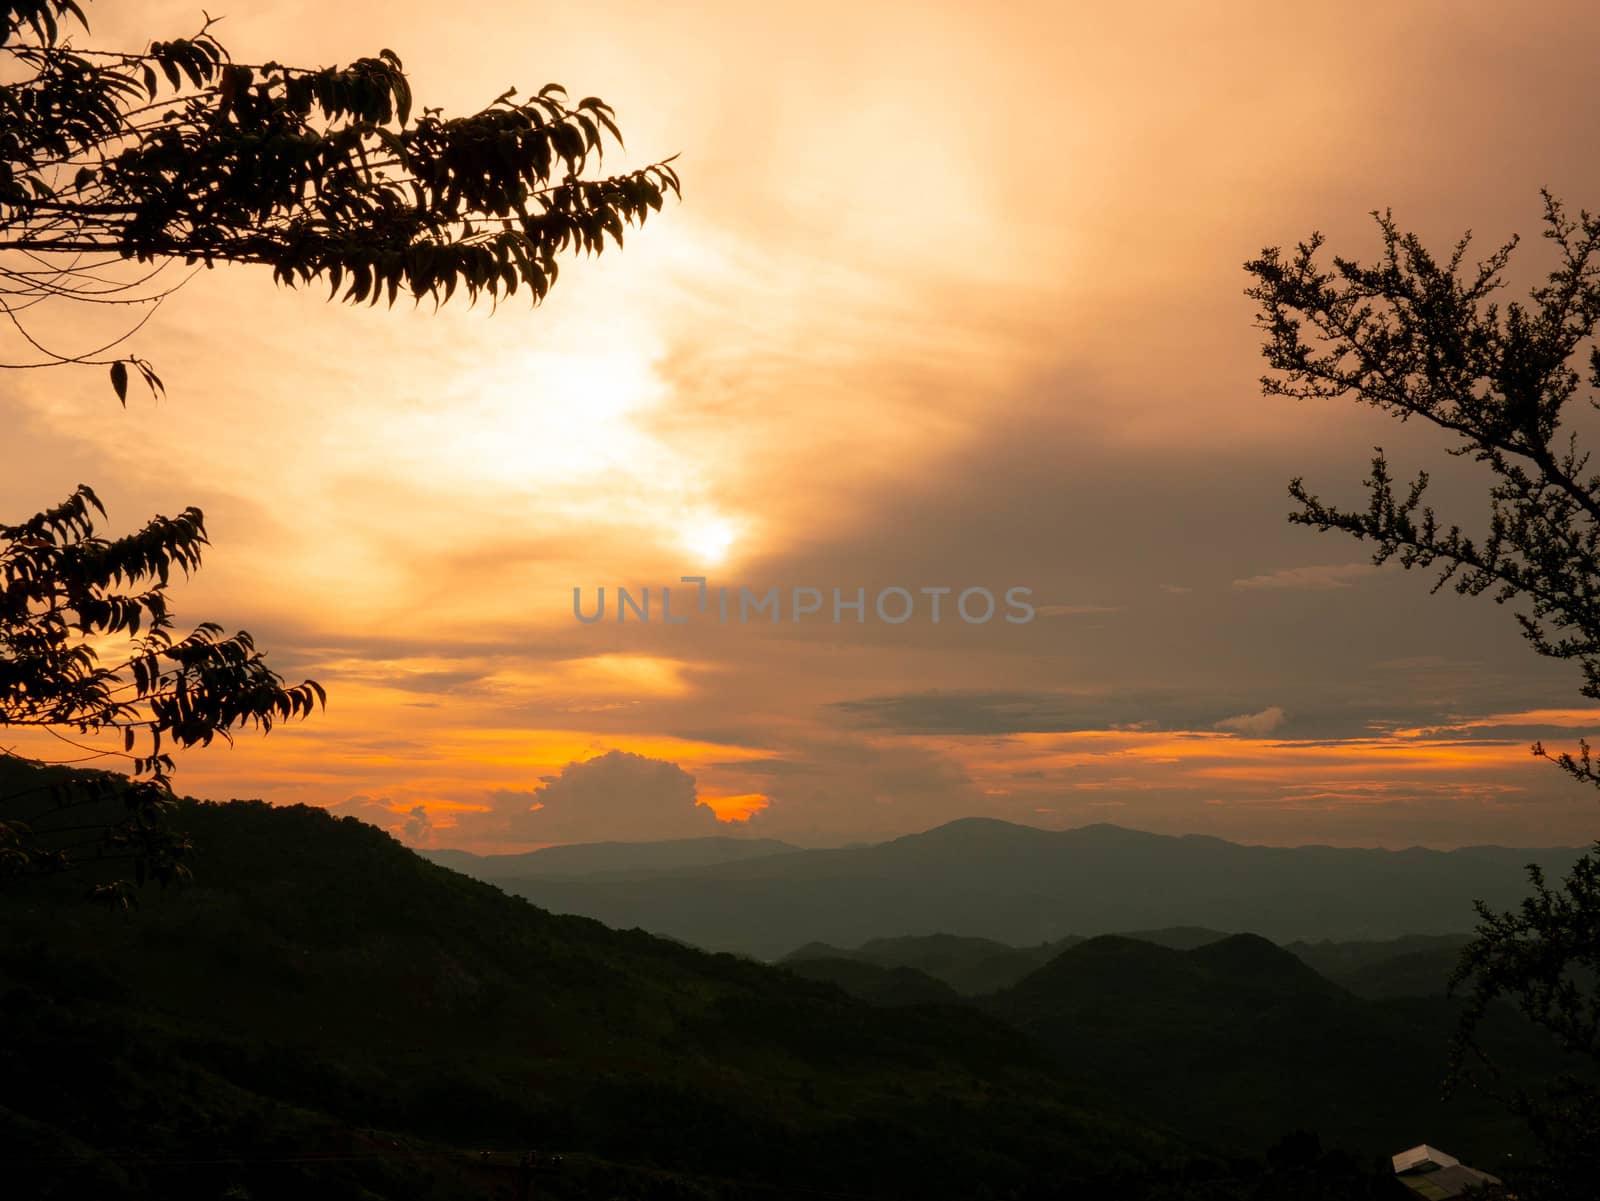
{"points": [[323, 1011], [877, 985], [1235, 1040], [1219, 1035], [320, 988]]}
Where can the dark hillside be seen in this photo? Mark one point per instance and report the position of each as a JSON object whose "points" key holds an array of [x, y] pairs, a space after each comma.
{"points": [[876, 985], [319, 982], [1239, 1038]]}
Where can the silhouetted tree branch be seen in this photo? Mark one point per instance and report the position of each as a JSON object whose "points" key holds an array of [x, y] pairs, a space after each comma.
{"points": [[115, 165], [1420, 337], [63, 593], [177, 153]]}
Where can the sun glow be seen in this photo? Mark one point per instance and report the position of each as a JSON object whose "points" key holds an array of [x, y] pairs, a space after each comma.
{"points": [[553, 418], [708, 539]]}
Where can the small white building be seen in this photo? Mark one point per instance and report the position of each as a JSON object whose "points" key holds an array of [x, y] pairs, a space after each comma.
{"points": [[1423, 1158], [1430, 1173]]}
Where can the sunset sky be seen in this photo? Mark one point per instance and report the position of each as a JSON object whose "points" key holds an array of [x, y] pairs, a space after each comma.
{"points": [[954, 298]]}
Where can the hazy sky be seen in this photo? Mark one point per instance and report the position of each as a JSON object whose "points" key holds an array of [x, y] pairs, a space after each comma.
{"points": [[954, 298]]}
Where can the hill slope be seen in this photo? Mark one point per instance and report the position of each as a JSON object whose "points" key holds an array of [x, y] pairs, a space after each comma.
{"points": [[889, 986], [1240, 1037], [320, 985], [1418, 965]]}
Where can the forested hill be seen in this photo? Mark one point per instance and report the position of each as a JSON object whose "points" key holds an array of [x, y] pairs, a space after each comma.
{"points": [[1233, 1039], [320, 990]]}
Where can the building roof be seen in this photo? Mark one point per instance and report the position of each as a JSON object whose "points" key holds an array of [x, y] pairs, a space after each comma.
{"points": [[1423, 1158], [1429, 1172]]}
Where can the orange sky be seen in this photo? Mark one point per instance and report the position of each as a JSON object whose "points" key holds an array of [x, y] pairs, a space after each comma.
{"points": [[954, 298]]}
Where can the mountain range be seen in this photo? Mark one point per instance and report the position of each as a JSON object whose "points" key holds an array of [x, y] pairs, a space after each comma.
{"points": [[1021, 886], [608, 858], [323, 1013], [1416, 965]]}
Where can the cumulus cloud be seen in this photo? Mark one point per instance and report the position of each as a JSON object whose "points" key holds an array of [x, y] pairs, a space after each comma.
{"points": [[617, 796], [1255, 725], [1307, 579], [418, 827]]}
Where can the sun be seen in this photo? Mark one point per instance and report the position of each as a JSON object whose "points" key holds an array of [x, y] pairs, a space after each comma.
{"points": [[708, 539]]}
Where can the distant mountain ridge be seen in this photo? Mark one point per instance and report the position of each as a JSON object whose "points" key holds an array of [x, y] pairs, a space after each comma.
{"points": [[969, 966], [1018, 885], [595, 858], [1416, 965]]}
